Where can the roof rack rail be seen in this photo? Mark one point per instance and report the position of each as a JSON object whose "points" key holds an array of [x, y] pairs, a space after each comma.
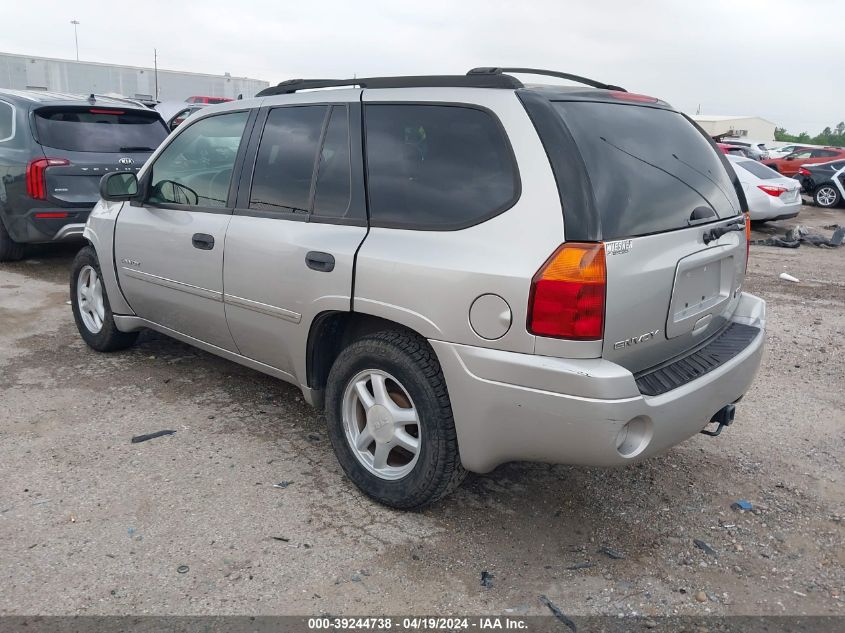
{"points": [[423, 81], [497, 72]]}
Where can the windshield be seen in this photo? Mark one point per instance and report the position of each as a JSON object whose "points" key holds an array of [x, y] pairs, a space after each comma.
{"points": [[99, 129], [649, 168]]}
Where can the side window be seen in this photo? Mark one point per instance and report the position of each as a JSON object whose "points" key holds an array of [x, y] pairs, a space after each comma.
{"points": [[332, 194], [196, 168], [801, 155], [823, 153], [7, 122], [436, 167], [287, 153]]}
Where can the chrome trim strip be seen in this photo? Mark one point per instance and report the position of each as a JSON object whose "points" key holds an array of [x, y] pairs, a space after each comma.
{"points": [[172, 284], [263, 308], [69, 231]]}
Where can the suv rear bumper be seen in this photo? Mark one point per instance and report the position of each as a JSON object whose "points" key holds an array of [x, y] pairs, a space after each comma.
{"points": [[511, 407], [28, 228]]}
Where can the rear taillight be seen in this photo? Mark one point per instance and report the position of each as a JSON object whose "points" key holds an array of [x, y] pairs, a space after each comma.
{"points": [[567, 293], [803, 171], [35, 186], [773, 191], [747, 239]]}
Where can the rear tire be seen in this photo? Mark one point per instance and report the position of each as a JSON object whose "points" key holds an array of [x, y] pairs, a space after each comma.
{"points": [[827, 196], [10, 250], [407, 414], [91, 309]]}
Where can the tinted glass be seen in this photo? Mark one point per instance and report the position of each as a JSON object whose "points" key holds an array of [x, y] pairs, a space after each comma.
{"points": [[196, 168], [759, 169], [436, 167], [649, 168], [7, 119], [99, 129], [805, 154], [284, 167], [331, 198], [821, 153]]}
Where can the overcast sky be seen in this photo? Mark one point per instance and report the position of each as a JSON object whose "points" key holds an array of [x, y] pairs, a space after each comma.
{"points": [[778, 59]]}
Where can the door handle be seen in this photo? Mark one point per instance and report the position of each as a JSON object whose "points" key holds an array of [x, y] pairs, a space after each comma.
{"points": [[322, 262], [203, 241]]}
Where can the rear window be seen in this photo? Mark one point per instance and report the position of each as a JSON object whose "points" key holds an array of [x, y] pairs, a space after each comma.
{"points": [[649, 168], [99, 129], [759, 169]]}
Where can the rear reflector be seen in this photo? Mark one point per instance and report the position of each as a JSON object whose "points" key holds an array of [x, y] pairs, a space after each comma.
{"points": [[567, 293], [51, 215], [35, 187], [773, 191]]}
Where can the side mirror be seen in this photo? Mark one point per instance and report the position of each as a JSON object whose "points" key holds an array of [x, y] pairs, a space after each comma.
{"points": [[789, 158], [119, 186], [176, 122]]}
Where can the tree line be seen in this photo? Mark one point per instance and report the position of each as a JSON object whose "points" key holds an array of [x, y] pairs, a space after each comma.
{"points": [[828, 136]]}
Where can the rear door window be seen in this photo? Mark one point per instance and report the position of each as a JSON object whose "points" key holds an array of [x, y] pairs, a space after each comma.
{"points": [[334, 177], [287, 155], [99, 129], [195, 169], [436, 167], [649, 168]]}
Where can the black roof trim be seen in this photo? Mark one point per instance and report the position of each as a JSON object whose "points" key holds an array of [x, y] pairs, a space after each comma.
{"points": [[500, 72], [423, 81]]}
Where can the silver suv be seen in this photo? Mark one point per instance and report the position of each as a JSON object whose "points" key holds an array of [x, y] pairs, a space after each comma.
{"points": [[462, 270]]}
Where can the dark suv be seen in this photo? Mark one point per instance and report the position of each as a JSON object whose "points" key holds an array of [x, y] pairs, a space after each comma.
{"points": [[54, 148]]}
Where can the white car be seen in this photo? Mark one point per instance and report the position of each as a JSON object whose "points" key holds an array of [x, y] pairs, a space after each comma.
{"points": [[770, 196], [785, 150], [757, 148]]}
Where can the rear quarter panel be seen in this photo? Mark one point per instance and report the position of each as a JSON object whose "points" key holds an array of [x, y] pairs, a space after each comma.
{"points": [[428, 280]]}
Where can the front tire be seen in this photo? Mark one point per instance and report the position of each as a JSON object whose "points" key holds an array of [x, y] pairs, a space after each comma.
{"points": [[390, 420], [10, 250], [91, 309], [827, 196]]}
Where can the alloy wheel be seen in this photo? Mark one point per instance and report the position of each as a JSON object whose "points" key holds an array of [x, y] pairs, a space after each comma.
{"points": [[381, 424]]}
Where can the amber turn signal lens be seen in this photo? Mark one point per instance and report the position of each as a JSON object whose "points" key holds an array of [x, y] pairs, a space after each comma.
{"points": [[567, 293]]}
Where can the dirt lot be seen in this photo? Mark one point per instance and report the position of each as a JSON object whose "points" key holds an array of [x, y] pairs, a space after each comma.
{"points": [[92, 524]]}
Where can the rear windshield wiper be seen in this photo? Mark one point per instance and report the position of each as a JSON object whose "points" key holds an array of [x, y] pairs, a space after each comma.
{"points": [[132, 148], [719, 231]]}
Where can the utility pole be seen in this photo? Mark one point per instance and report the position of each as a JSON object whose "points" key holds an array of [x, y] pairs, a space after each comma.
{"points": [[155, 72], [76, 37]]}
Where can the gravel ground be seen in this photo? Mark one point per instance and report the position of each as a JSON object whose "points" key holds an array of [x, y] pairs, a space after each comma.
{"points": [[92, 524]]}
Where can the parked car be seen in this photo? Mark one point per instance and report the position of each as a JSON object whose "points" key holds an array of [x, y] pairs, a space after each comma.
{"points": [[770, 196], [54, 148], [825, 182], [788, 165], [208, 100], [174, 113], [434, 308], [785, 150], [736, 150], [756, 148]]}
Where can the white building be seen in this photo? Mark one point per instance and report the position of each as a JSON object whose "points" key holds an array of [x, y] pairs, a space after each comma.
{"points": [[752, 127], [28, 72]]}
